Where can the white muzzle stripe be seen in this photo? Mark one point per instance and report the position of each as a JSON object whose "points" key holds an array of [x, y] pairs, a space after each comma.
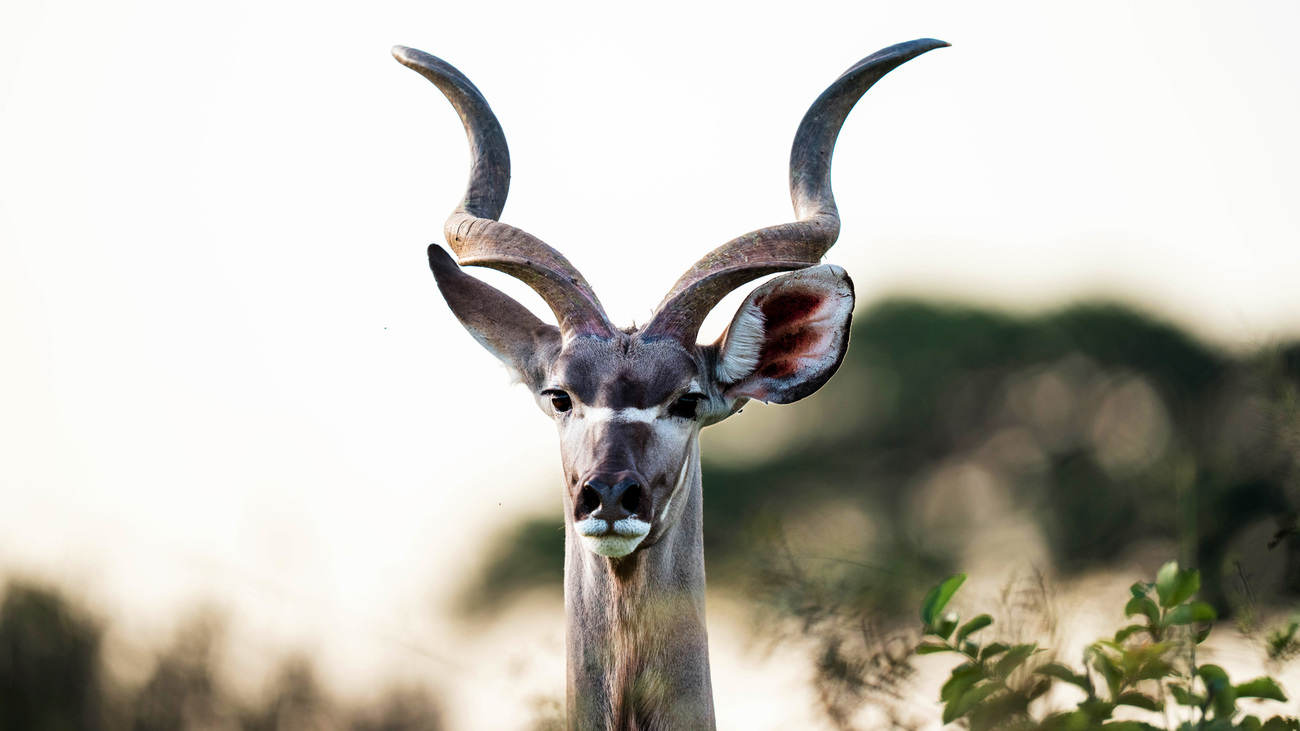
{"points": [[604, 413], [626, 536]]}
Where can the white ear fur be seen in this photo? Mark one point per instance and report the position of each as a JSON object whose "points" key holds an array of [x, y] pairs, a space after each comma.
{"points": [[742, 344]]}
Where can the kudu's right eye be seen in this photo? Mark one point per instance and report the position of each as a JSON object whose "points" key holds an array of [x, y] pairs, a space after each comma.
{"points": [[686, 406], [560, 400]]}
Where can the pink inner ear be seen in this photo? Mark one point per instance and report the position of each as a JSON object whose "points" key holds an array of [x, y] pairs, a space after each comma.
{"points": [[791, 317]]}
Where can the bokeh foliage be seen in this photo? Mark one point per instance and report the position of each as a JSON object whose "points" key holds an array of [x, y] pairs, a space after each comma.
{"points": [[1103, 426], [53, 677]]}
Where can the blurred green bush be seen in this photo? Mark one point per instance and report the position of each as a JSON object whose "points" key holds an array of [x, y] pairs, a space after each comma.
{"points": [[1102, 426]]}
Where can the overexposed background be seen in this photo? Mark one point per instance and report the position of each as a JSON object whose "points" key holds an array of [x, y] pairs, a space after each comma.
{"points": [[227, 376]]}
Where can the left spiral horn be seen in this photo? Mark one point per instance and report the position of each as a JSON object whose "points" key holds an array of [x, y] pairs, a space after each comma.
{"points": [[473, 229]]}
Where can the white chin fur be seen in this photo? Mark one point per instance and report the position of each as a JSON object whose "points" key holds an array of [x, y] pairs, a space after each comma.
{"points": [[627, 535], [612, 546]]}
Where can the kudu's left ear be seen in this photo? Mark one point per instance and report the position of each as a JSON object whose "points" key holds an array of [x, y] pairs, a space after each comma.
{"points": [[789, 336], [500, 324]]}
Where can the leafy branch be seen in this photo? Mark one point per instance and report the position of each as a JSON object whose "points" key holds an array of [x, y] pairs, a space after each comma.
{"points": [[1146, 664]]}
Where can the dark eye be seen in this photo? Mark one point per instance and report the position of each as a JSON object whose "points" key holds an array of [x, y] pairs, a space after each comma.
{"points": [[560, 400], [685, 406]]}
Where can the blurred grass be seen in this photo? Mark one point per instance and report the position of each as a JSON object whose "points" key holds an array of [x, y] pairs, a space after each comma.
{"points": [[53, 678]]}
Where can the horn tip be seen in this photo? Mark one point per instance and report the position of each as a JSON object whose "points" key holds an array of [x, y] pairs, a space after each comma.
{"points": [[921, 45], [440, 261], [407, 56]]}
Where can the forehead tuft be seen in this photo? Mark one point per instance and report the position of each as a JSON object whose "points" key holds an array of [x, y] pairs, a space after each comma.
{"points": [[624, 372]]}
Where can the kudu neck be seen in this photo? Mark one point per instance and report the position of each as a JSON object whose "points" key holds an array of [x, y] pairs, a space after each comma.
{"points": [[638, 655]]}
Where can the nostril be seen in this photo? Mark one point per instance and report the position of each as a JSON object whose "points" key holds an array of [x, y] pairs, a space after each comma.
{"points": [[631, 500], [588, 499]]}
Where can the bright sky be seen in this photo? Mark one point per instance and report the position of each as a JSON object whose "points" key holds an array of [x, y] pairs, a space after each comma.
{"points": [[227, 373]]}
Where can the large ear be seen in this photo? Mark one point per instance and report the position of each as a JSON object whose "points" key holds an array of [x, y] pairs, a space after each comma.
{"points": [[789, 336], [506, 328]]}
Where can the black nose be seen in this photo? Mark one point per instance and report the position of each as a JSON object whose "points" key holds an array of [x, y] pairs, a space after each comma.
{"points": [[613, 497]]}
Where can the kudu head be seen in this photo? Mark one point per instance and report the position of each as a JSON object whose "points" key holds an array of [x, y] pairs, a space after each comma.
{"points": [[629, 403]]}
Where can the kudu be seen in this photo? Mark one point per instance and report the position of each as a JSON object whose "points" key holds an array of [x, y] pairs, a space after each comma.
{"points": [[629, 403]]}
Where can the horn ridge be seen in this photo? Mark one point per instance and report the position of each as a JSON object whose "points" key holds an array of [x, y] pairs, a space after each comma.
{"points": [[787, 246], [473, 230]]}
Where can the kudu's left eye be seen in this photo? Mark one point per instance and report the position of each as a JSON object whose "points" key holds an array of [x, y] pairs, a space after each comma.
{"points": [[685, 406], [560, 400]]}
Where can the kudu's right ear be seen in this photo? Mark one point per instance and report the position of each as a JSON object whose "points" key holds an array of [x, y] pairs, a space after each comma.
{"points": [[506, 328]]}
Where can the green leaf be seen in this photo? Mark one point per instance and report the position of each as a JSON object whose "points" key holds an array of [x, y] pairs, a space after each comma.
{"points": [[1185, 697], [1066, 721], [1144, 606], [993, 649], [1040, 688], [1103, 664], [1129, 726], [930, 648], [946, 625], [1222, 696], [1166, 579], [1264, 687], [975, 625], [937, 598], [1138, 700], [999, 712], [1175, 586], [1129, 631], [1154, 669], [1141, 588], [963, 677], [1014, 657], [1277, 723], [1061, 672], [1189, 582], [1189, 613], [1224, 702], [963, 704], [1213, 676], [1096, 708]]}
